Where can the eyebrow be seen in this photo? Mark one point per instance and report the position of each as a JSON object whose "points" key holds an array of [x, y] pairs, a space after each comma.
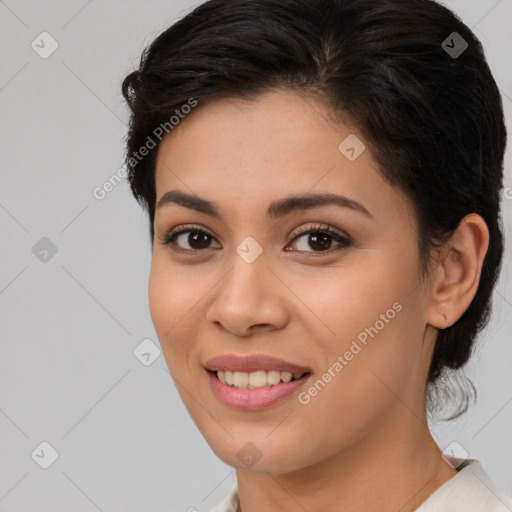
{"points": [[275, 210]]}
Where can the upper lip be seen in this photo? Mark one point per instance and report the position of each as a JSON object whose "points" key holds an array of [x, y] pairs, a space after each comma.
{"points": [[252, 363]]}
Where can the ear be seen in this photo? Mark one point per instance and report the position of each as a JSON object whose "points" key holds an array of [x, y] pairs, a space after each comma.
{"points": [[455, 278]]}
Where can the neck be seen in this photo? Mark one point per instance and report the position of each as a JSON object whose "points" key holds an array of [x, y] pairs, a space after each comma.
{"points": [[395, 468]]}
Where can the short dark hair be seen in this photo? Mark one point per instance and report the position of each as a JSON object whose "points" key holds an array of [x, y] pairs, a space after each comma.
{"points": [[432, 118]]}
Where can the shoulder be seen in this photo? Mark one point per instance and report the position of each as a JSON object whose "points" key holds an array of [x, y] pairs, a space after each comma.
{"points": [[471, 490]]}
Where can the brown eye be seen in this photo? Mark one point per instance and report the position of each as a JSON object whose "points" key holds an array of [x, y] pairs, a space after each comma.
{"points": [[197, 239], [188, 240], [320, 240], [317, 239]]}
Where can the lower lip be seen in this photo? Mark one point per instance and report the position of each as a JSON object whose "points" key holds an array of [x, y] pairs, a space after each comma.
{"points": [[253, 399]]}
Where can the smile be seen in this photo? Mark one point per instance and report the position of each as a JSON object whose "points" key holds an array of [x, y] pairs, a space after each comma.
{"points": [[256, 380], [265, 394]]}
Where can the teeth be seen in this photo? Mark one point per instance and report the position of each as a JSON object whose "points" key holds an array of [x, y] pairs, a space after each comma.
{"points": [[257, 379], [286, 376], [240, 380], [253, 380], [273, 377]]}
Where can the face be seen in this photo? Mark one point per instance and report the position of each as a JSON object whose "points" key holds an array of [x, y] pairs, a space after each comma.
{"points": [[246, 275]]}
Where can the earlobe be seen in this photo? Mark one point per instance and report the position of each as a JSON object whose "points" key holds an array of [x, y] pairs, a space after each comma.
{"points": [[455, 279]]}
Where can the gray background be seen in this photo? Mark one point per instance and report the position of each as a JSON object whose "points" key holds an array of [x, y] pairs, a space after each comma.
{"points": [[69, 324]]}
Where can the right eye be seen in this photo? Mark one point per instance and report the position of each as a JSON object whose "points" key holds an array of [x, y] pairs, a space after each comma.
{"points": [[197, 239]]}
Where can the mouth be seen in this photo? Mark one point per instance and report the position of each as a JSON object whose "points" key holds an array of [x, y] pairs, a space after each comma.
{"points": [[256, 380]]}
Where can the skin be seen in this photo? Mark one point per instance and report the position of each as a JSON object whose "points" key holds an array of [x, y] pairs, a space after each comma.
{"points": [[365, 433]]}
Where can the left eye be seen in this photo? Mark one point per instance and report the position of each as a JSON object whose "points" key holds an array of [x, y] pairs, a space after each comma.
{"points": [[320, 240]]}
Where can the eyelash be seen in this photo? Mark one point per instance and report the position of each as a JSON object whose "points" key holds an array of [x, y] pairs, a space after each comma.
{"points": [[319, 229]]}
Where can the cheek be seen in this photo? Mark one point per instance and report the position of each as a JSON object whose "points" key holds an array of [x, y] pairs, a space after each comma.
{"points": [[347, 302], [171, 305], [374, 338], [160, 299]]}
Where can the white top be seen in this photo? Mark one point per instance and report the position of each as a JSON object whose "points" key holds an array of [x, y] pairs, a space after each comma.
{"points": [[470, 490]]}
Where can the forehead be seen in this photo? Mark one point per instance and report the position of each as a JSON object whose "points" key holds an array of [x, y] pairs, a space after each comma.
{"points": [[245, 153]]}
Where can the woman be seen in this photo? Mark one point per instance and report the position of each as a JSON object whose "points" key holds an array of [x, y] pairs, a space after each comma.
{"points": [[322, 179]]}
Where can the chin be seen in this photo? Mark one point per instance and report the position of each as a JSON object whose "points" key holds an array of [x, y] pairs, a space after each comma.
{"points": [[259, 452]]}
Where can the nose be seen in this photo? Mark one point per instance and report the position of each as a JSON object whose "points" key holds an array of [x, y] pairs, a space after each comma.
{"points": [[249, 299]]}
